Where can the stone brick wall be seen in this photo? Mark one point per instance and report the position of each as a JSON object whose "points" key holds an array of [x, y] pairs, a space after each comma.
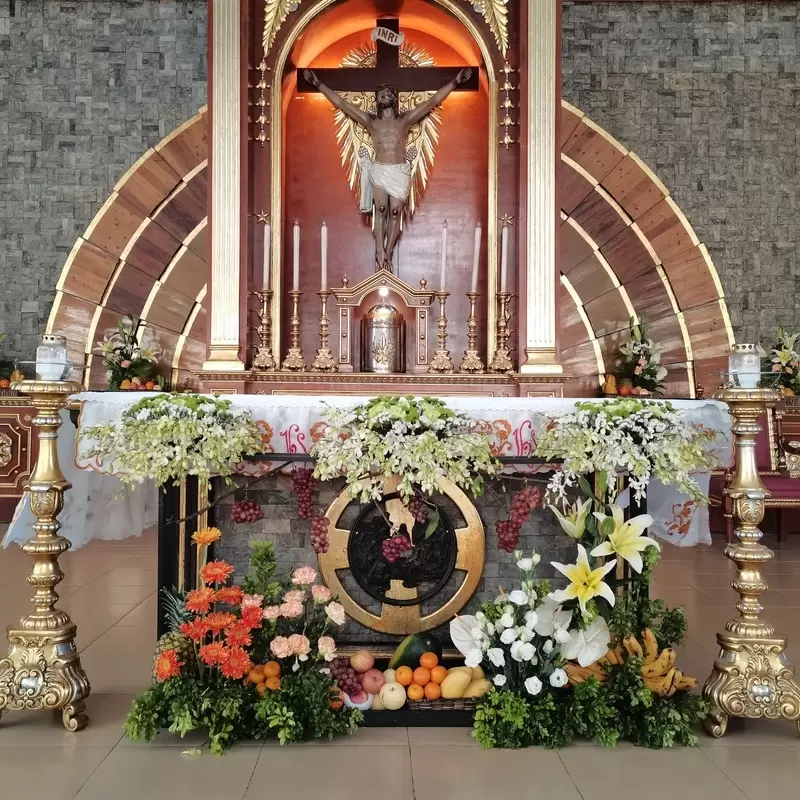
{"points": [[707, 94], [86, 87]]}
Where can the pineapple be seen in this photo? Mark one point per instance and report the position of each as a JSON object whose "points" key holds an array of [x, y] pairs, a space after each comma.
{"points": [[176, 615]]}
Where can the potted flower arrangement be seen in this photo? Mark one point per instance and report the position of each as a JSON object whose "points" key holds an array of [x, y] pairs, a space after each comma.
{"points": [[784, 362], [639, 369], [130, 365], [242, 663]]}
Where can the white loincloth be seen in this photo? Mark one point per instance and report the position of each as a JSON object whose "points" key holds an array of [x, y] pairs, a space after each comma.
{"points": [[394, 179]]}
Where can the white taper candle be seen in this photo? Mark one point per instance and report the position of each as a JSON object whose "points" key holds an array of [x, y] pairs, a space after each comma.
{"points": [[324, 256], [476, 257], [504, 259], [265, 280], [444, 257], [296, 257]]}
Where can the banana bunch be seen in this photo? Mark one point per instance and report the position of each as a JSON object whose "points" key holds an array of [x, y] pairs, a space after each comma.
{"points": [[658, 669]]}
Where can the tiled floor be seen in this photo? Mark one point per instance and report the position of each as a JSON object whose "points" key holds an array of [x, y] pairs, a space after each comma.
{"points": [[110, 591]]}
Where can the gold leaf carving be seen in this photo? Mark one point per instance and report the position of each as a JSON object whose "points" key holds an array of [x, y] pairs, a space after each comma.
{"points": [[275, 13], [495, 12], [5, 449]]}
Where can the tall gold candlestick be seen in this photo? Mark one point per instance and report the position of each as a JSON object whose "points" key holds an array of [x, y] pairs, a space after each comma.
{"points": [[472, 362], [752, 676], [441, 361], [264, 361], [501, 361], [294, 361], [43, 670], [324, 360]]}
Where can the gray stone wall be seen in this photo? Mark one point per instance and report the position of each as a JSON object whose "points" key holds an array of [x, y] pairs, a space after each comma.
{"points": [[707, 94], [85, 88]]}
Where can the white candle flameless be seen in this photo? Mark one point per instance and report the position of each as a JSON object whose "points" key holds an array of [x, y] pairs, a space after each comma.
{"points": [[324, 256], [476, 256], [444, 257], [504, 259], [296, 258], [265, 281]]}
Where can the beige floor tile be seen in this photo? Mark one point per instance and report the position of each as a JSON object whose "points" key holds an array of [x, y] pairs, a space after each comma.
{"points": [[334, 773], [167, 739], [55, 773], [420, 737], [755, 732], [135, 773], [44, 729], [660, 774], [763, 773], [447, 773], [364, 737]]}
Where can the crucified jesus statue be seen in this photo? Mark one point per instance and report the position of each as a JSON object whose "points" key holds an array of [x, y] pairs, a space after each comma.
{"points": [[389, 176]]}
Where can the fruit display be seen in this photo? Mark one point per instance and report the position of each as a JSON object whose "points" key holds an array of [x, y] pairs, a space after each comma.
{"points": [[136, 384], [246, 510], [433, 681], [410, 650], [346, 677], [610, 385], [392, 696], [659, 673], [175, 615], [266, 677]]}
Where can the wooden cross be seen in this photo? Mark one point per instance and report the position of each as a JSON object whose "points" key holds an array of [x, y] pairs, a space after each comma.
{"points": [[388, 70]]}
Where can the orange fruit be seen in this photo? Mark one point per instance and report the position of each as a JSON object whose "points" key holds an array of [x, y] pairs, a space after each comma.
{"points": [[149, 385], [273, 683], [335, 698], [428, 660], [415, 692], [422, 676], [404, 676], [433, 691], [256, 675], [261, 688], [438, 674], [272, 669]]}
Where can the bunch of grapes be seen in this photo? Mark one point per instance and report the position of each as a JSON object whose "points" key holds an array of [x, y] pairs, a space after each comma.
{"points": [[523, 502], [319, 533], [303, 487], [418, 508], [345, 676], [246, 510], [396, 547]]}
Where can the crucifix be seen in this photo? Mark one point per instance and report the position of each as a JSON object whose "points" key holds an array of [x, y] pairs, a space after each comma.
{"points": [[386, 182]]}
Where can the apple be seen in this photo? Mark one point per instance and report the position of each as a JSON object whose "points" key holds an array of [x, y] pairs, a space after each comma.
{"points": [[390, 676], [393, 696], [362, 661], [372, 681], [360, 700]]}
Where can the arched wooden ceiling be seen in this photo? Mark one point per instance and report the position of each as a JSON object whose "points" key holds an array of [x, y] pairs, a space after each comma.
{"points": [[626, 250]]}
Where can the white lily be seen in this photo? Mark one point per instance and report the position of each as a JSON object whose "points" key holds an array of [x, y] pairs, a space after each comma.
{"points": [[586, 646], [573, 521], [550, 616], [585, 583], [627, 539]]}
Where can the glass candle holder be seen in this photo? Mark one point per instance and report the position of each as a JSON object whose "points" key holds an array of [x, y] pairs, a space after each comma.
{"points": [[51, 358], [744, 366]]}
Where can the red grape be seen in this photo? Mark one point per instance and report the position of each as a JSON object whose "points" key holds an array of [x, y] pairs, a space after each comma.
{"points": [[523, 502], [246, 510], [418, 508], [396, 547], [319, 533], [303, 487]]}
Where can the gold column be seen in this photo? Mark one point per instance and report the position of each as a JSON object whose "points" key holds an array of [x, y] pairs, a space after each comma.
{"points": [[42, 670], [752, 676]]}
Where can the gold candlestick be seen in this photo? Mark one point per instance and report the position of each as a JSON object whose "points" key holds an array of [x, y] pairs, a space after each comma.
{"points": [[43, 670], [324, 360], [752, 676], [294, 361], [441, 361], [264, 361], [472, 361], [501, 361]]}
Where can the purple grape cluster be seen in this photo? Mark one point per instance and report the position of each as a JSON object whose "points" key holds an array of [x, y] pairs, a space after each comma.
{"points": [[396, 547], [319, 533], [347, 679], [522, 504], [246, 510], [303, 487], [418, 508]]}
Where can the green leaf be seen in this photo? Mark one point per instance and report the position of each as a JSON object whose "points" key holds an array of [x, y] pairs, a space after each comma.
{"points": [[433, 524], [607, 527]]}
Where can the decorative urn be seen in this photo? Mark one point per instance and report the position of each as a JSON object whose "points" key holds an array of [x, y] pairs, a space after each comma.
{"points": [[383, 340]]}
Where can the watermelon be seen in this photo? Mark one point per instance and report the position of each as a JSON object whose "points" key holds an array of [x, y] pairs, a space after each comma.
{"points": [[412, 647]]}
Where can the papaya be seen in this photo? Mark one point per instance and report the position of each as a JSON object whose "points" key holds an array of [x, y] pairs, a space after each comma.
{"points": [[412, 647], [478, 688], [455, 684]]}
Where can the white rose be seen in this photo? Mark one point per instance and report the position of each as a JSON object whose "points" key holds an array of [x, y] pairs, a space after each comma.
{"points": [[496, 656], [536, 559], [561, 635], [547, 647], [531, 619], [508, 635], [522, 651], [500, 680], [473, 658], [506, 621], [558, 678], [524, 634], [533, 685], [525, 564], [518, 597]]}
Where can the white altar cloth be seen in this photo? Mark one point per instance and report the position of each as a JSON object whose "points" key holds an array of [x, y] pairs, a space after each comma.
{"points": [[290, 423]]}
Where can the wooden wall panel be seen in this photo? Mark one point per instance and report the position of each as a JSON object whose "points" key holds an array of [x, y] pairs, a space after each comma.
{"points": [[628, 255], [573, 187], [690, 278], [170, 309], [186, 146], [633, 186], [649, 296], [152, 250], [87, 271], [148, 182], [115, 224], [596, 151], [573, 248], [185, 207], [590, 279]]}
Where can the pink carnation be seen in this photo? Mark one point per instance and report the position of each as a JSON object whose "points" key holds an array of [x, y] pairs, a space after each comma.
{"points": [[280, 647], [304, 576], [295, 596], [327, 647], [335, 612], [271, 613], [125, 363], [299, 644], [252, 601], [292, 610], [321, 594]]}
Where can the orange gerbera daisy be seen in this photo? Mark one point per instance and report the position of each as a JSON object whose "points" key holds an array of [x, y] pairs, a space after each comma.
{"points": [[230, 595], [195, 630], [216, 572], [167, 665], [207, 536], [219, 620], [199, 600], [252, 617], [238, 634], [236, 663], [212, 653]]}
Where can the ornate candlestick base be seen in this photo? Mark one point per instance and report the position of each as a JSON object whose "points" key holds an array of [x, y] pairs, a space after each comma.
{"points": [[752, 676], [441, 362], [294, 361], [264, 361], [324, 360], [501, 361], [42, 670], [472, 363]]}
